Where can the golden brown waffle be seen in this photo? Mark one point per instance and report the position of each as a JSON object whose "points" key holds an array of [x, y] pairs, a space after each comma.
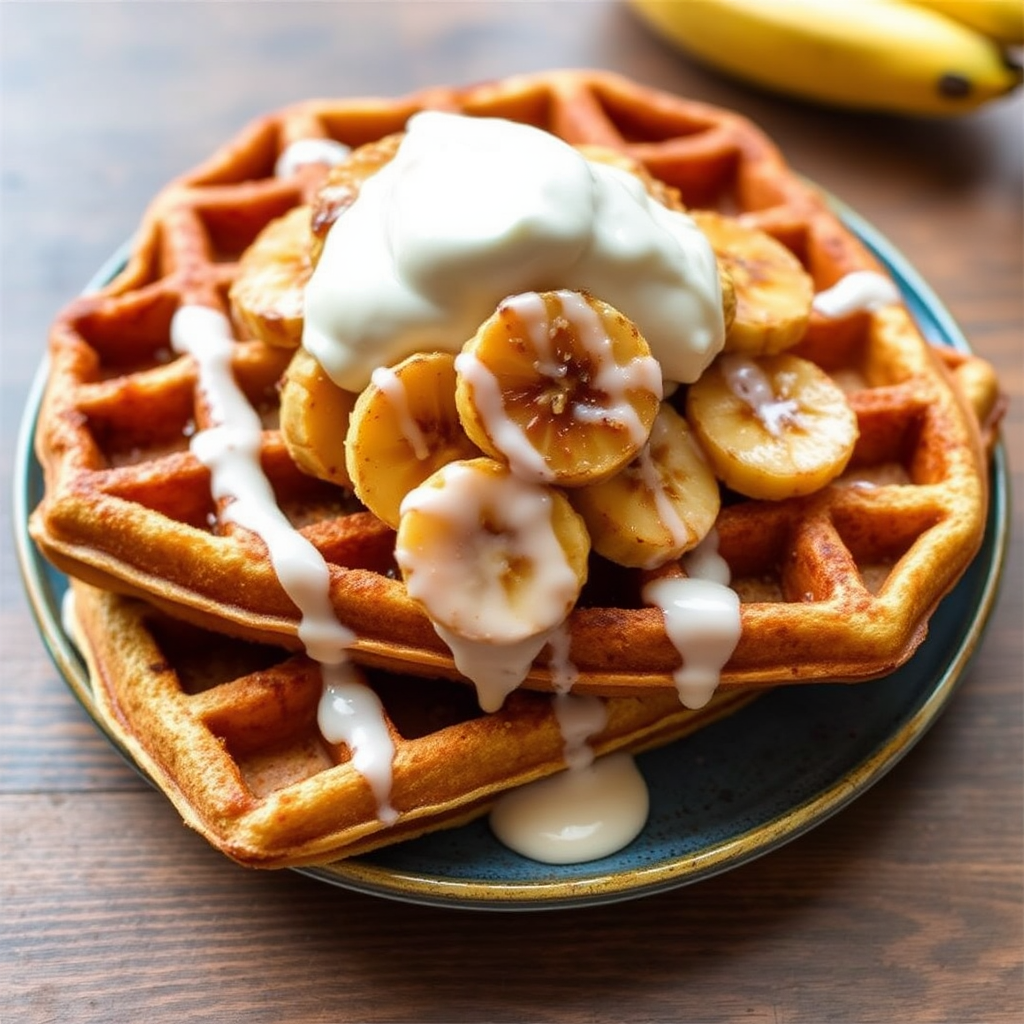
{"points": [[228, 730], [837, 585]]}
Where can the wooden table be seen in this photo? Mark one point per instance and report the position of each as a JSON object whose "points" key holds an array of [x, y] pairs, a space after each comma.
{"points": [[906, 906]]}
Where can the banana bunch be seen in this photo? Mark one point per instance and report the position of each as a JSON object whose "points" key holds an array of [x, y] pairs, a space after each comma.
{"points": [[918, 57]]}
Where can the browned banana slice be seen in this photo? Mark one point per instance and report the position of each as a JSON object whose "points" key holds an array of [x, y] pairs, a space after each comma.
{"points": [[775, 427], [559, 385], [342, 184], [497, 562], [404, 427], [314, 418], [268, 294], [657, 508], [773, 292]]}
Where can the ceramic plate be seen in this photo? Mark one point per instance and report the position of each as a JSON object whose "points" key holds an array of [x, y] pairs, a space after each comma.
{"points": [[720, 798]]}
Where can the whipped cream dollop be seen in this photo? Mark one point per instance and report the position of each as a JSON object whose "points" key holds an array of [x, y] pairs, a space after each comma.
{"points": [[472, 210]]}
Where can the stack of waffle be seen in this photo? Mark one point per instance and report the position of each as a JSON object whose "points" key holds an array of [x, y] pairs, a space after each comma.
{"points": [[199, 650]]}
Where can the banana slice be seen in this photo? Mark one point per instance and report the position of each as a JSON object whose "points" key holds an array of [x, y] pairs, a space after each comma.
{"points": [[559, 385], [660, 506], [773, 292], [268, 294], [492, 557], [728, 295], [340, 188], [773, 428], [404, 427], [314, 418], [666, 194], [497, 563]]}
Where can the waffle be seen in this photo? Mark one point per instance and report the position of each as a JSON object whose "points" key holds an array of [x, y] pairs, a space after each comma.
{"points": [[228, 730], [837, 585]]}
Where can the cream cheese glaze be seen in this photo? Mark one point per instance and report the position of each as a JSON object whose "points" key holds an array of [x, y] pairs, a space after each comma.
{"points": [[471, 210], [230, 448], [577, 815], [860, 291], [310, 151], [702, 619], [749, 382]]}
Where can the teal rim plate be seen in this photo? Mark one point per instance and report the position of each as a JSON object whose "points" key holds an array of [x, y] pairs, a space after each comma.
{"points": [[732, 792]]}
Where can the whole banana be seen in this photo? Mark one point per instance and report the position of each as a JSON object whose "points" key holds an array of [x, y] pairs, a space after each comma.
{"points": [[1001, 20], [882, 55]]}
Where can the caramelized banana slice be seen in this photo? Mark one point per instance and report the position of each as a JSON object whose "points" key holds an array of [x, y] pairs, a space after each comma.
{"points": [[773, 292], [657, 508], [775, 427], [314, 418], [656, 188], [496, 562], [404, 427], [267, 296], [559, 385], [340, 188]]}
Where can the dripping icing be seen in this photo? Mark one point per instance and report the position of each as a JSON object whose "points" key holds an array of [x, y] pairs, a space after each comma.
{"points": [[702, 620], [861, 291], [230, 448]]}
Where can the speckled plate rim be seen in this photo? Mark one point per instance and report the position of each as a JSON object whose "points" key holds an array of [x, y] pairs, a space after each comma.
{"points": [[44, 588]]}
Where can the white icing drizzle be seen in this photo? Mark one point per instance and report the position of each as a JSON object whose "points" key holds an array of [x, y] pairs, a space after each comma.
{"points": [[391, 385], [655, 484], [702, 619], [579, 716], [495, 669], [563, 672], [505, 434], [230, 448], [749, 382], [350, 712], [705, 562], [309, 151], [612, 378], [494, 631], [860, 291], [425, 254]]}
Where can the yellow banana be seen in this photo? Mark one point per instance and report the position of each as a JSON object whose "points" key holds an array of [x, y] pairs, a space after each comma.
{"points": [[660, 506], [403, 427], [314, 417], [884, 55], [775, 427], [1001, 20], [771, 290]]}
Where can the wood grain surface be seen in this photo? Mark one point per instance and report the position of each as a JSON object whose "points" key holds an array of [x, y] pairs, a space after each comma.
{"points": [[907, 906]]}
